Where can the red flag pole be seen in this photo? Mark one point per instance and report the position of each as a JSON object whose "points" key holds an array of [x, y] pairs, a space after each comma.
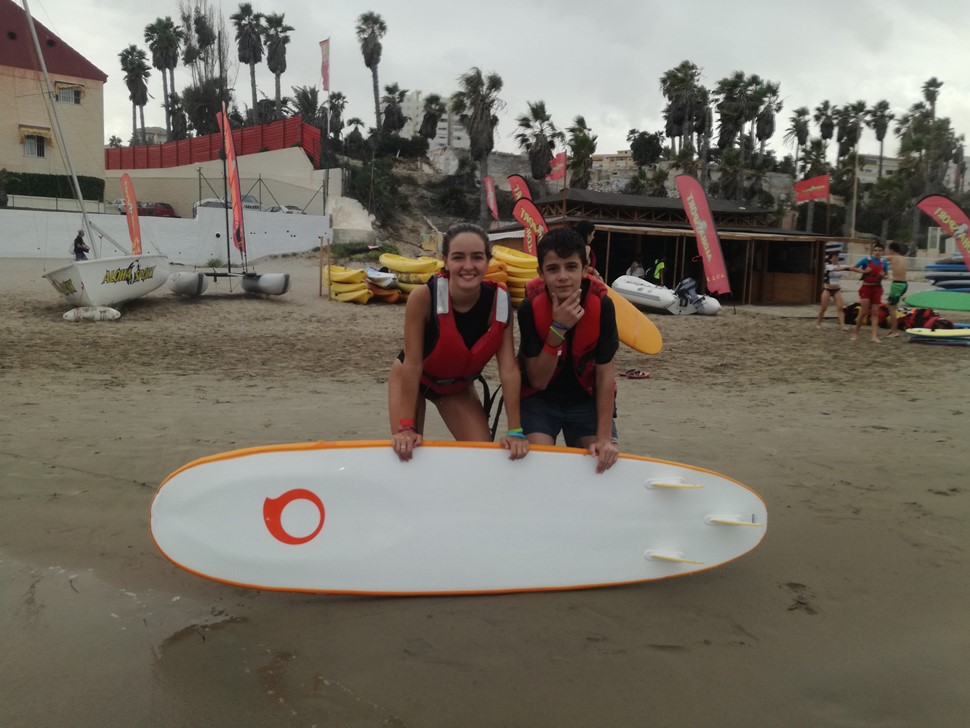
{"points": [[565, 180]]}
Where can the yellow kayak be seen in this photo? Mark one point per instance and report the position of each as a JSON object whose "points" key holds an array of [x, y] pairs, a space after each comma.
{"points": [[348, 287], [339, 274], [408, 287], [516, 300], [517, 272], [498, 277], [413, 277], [520, 282], [400, 264], [515, 258], [362, 296]]}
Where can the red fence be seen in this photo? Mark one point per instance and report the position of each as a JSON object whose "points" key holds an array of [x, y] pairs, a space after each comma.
{"points": [[247, 140]]}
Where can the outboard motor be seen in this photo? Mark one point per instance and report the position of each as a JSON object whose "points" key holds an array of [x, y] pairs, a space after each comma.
{"points": [[686, 291]]}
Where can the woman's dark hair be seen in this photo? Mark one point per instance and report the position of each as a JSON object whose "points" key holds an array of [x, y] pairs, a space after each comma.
{"points": [[563, 242], [584, 228], [836, 253], [465, 227]]}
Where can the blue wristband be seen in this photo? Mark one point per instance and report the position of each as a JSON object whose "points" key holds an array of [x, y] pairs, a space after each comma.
{"points": [[515, 433]]}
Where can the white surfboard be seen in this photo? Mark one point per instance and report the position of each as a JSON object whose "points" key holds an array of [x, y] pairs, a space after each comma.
{"points": [[459, 518]]}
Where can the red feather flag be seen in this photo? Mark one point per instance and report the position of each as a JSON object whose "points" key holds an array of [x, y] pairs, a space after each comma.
{"points": [[949, 216], [490, 196], [528, 215], [699, 214]]}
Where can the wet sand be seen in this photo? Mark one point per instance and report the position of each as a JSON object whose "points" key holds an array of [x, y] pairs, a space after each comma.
{"points": [[853, 612]]}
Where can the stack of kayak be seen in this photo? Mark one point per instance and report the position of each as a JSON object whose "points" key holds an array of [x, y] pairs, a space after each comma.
{"points": [[410, 272], [949, 274], [347, 284], [513, 268]]}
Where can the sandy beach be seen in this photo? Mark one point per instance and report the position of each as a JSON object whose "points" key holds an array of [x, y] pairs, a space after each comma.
{"points": [[853, 612]]}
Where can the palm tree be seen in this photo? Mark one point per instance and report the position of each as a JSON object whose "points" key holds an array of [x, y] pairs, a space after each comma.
{"points": [[277, 37], [824, 117], [582, 147], [355, 146], [680, 86], [731, 180], [931, 92], [306, 104], [394, 119], [115, 141], [249, 44], [370, 29], [434, 108], [475, 105], [798, 130], [657, 183], [134, 64], [8, 178], [771, 104], [878, 119], [537, 137], [164, 40], [336, 103]]}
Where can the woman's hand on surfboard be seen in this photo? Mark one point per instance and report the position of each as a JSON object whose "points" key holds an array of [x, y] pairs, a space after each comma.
{"points": [[404, 443], [518, 447], [606, 453]]}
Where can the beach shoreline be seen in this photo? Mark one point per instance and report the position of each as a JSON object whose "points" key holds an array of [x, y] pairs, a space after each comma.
{"points": [[851, 613]]}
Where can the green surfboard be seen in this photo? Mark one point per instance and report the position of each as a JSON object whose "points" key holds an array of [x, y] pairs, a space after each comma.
{"points": [[942, 300]]}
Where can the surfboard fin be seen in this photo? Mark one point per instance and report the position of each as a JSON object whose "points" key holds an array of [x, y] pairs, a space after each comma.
{"points": [[672, 556], [732, 520], [671, 483]]}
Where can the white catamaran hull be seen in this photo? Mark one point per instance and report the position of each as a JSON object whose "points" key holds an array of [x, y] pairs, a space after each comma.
{"points": [[269, 284], [109, 281], [188, 283]]}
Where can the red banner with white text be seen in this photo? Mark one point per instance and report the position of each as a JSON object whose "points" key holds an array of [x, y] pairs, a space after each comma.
{"points": [[131, 212], [708, 245], [232, 171], [490, 196], [951, 217], [519, 187], [815, 188], [528, 215], [325, 63]]}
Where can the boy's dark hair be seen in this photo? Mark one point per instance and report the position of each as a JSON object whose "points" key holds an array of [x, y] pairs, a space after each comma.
{"points": [[896, 247], [563, 242], [879, 244], [584, 228], [464, 227]]}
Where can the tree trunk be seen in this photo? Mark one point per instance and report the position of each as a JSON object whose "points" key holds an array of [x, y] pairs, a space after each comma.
{"points": [[483, 201], [252, 83], [810, 220], [279, 103], [168, 113], [141, 116], [880, 160], [134, 124], [377, 101]]}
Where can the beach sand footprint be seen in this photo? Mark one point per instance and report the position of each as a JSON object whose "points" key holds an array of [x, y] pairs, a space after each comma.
{"points": [[803, 600]]}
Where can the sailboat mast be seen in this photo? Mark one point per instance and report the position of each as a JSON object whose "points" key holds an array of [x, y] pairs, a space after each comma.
{"points": [[222, 154], [57, 123]]}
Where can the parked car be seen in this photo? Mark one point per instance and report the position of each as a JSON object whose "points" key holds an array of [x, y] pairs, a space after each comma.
{"points": [[249, 203], [288, 209], [156, 209]]}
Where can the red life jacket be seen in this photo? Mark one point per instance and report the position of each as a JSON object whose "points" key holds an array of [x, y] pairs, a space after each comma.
{"points": [[873, 274], [451, 366], [585, 334]]}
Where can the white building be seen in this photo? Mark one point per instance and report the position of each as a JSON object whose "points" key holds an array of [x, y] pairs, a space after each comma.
{"points": [[451, 134]]}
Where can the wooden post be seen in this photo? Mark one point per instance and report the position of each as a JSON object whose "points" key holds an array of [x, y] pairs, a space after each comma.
{"points": [[606, 268], [320, 292]]}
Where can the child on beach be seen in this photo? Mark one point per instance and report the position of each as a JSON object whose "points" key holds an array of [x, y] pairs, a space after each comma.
{"points": [[568, 341], [897, 265], [832, 289], [452, 328], [873, 269]]}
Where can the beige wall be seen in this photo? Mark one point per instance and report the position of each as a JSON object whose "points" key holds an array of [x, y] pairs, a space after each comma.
{"points": [[83, 124]]}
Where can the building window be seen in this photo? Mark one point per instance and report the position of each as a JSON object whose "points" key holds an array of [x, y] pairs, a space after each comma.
{"points": [[35, 146], [69, 95]]}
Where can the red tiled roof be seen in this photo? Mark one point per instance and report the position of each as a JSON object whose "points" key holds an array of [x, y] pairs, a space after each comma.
{"points": [[17, 48]]}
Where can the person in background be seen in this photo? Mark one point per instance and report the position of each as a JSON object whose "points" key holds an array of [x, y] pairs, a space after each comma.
{"points": [[80, 247], [873, 269], [588, 231], [657, 274], [635, 269], [897, 267], [569, 338], [832, 288], [453, 327]]}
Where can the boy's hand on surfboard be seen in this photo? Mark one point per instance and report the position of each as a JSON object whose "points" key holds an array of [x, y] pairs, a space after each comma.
{"points": [[404, 444], [568, 311], [518, 447], [606, 453]]}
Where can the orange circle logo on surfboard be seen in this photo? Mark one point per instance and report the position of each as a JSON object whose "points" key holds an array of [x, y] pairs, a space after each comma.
{"points": [[273, 515]]}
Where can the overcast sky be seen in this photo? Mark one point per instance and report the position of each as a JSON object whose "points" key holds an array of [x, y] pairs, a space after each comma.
{"points": [[600, 58]]}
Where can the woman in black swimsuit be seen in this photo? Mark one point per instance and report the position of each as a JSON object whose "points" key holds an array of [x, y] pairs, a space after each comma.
{"points": [[832, 289]]}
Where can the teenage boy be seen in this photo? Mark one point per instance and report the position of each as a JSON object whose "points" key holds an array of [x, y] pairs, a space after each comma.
{"points": [[568, 333], [873, 269], [897, 267]]}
